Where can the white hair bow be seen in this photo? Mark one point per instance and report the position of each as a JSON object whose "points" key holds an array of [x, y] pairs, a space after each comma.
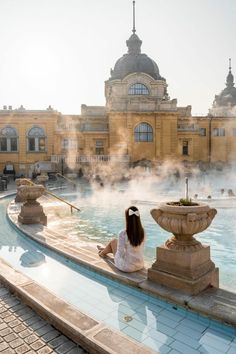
{"points": [[131, 212]]}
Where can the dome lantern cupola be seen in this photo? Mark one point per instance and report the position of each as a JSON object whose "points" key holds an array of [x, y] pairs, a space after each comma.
{"points": [[230, 77], [135, 84], [135, 61], [224, 104], [134, 44]]}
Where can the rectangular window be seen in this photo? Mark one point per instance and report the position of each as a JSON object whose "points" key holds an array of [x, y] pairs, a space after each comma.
{"points": [[221, 131], [99, 143], [185, 148], [202, 131], [13, 143], [65, 144], [31, 144], [3, 144], [41, 144], [99, 147], [73, 144], [218, 132], [99, 151]]}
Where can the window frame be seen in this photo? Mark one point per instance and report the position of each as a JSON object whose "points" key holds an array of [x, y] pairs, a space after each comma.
{"points": [[69, 143], [36, 138], [138, 89], [10, 137], [140, 132], [202, 131], [218, 132], [99, 147], [185, 148]]}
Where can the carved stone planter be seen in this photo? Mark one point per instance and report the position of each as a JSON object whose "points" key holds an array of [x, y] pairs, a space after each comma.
{"points": [[21, 182], [183, 262], [42, 179], [31, 211]]}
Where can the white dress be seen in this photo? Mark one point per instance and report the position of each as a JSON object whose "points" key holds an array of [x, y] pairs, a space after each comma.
{"points": [[128, 258]]}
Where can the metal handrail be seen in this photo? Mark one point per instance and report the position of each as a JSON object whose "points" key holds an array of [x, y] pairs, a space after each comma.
{"points": [[66, 178], [59, 198], [63, 200]]}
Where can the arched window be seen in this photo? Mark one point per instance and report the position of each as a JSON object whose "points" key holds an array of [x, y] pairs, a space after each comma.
{"points": [[8, 139], [143, 132], [36, 139], [138, 89]]}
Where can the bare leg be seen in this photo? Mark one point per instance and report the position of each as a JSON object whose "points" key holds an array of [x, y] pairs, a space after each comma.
{"points": [[110, 248]]}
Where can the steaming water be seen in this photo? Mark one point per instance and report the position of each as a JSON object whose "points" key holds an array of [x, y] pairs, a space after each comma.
{"points": [[102, 217]]}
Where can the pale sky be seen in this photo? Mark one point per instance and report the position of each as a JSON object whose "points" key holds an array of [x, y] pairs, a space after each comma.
{"points": [[60, 52]]}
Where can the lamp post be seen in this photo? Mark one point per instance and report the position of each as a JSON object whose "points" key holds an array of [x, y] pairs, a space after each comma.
{"points": [[62, 164], [186, 188]]}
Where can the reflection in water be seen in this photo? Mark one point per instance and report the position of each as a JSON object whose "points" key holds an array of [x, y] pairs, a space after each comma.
{"points": [[32, 258]]}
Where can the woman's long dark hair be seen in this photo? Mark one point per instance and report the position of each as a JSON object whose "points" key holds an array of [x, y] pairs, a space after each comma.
{"points": [[134, 228]]}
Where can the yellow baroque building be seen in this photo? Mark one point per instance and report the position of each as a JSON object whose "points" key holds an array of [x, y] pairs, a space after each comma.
{"points": [[139, 124]]}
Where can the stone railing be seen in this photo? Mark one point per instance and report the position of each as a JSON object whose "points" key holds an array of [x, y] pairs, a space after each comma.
{"points": [[89, 158], [103, 158]]}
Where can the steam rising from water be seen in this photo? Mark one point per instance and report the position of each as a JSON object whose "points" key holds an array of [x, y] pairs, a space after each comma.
{"points": [[225, 111], [102, 209], [106, 195]]}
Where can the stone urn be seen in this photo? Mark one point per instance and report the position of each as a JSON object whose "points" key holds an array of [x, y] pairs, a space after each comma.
{"points": [[31, 211], [21, 182], [42, 179], [182, 261]]}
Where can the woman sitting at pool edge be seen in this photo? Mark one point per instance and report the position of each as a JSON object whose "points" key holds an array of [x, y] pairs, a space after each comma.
{"points": [[128, 248]]}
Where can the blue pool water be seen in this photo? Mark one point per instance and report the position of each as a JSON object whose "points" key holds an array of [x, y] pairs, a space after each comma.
{"points": [[102, 217], [155, 323]]}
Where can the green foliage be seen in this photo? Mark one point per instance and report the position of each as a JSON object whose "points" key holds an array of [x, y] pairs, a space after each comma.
{"points": [[186, 202]]}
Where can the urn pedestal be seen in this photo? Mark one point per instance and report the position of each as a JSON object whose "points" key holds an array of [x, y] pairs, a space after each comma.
{"points": [[183, 262], [31, 211]]}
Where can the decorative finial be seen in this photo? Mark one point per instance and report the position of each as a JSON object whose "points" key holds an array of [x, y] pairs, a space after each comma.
{"points": [[230, 77], [134, 30]]}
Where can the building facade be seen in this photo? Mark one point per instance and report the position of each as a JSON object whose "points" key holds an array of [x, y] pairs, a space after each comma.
{"points": [[139, 124]]}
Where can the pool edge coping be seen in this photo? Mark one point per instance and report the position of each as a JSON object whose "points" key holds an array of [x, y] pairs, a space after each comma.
{"points": [[45, 307]]}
